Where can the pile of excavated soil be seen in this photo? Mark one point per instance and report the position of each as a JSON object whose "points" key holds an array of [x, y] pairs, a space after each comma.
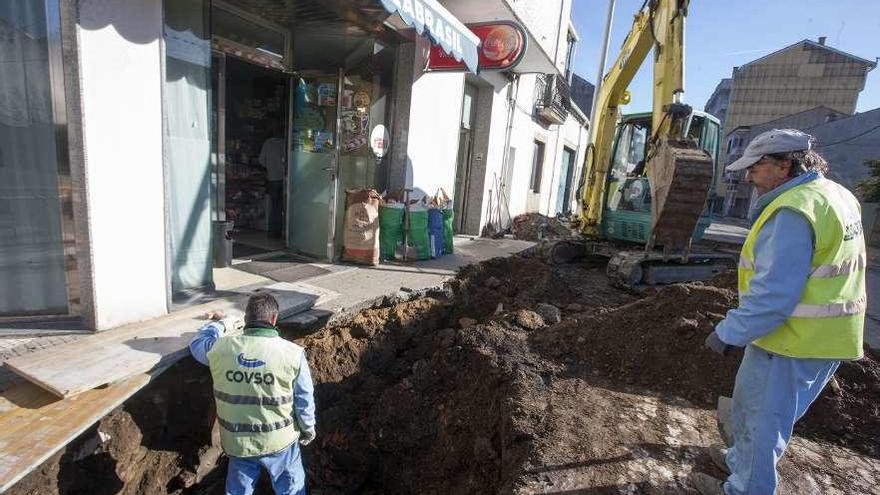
{"points": [[535, 227], [657, 343], [523, 283], [421, 412], [421, 397]]}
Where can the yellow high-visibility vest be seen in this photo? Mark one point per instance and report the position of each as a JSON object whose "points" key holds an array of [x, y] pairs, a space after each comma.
{"points": [[829, 320], [254, 378]]}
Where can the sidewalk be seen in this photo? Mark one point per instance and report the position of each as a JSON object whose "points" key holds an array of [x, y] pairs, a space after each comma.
{"points": [[349, 288], [359, 287]]}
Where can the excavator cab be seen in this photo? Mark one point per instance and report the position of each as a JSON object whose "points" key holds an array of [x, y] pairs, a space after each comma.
{"points": [[628, 202]]}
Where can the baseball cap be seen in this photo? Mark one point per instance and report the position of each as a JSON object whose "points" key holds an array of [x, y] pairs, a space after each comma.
{"points": [[771, 142]]}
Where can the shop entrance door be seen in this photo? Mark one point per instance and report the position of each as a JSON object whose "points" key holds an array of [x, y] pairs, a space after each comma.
{"points": [[313, 164], [566, 173], [465, 155], [250, 116]]}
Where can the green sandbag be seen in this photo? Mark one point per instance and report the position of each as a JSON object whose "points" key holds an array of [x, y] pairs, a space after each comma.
{"points": [[447, 231], [390, 231], [418, 234]]}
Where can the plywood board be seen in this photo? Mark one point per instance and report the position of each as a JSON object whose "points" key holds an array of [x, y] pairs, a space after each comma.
{"points": [[34, 424], [117, 354]]}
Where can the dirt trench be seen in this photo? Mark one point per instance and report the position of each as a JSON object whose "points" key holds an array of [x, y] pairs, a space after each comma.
{"points": [[519, 377]]}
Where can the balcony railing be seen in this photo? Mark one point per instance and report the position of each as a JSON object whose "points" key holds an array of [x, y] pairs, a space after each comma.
{"points": [[552, 98]]}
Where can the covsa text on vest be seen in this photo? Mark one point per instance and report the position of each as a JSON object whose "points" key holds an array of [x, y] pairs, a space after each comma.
{"points": [[254, 377]]}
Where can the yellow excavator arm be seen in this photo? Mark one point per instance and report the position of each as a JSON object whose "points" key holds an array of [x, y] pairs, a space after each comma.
{"points": [[676, 169]]}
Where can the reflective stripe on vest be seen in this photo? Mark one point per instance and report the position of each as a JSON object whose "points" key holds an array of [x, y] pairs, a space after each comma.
{"points": [[254, 428], [845, 268], [828, 321], [832, 310], [252, 399], [824, 271]]}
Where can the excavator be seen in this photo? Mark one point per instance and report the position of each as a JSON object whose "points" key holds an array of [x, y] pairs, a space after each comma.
{"points": [[647, 177]]}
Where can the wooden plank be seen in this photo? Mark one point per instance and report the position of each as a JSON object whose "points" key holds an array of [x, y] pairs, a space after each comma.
{"points": [[34, 424], [117, 354]]}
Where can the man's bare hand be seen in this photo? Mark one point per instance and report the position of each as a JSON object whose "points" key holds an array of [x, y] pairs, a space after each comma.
{"points": [[216, 315]]}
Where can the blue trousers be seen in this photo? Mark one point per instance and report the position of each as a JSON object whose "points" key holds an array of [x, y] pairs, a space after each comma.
{"points": [[771, 393], [285, 470], [276, 197]]}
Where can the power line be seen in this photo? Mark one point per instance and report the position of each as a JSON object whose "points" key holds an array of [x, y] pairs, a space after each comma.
{"points": [[849, 138]]}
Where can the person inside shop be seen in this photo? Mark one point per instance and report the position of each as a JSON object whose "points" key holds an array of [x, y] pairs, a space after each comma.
{"points": [[272, 157]]}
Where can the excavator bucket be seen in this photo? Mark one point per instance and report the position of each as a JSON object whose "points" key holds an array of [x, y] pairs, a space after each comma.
{"points": [[680, 174]]}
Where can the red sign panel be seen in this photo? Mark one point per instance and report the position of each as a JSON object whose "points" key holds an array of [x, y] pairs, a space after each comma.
{"points": [[502, 46]]}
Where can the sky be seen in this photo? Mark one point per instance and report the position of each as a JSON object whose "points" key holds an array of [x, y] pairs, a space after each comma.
{"points": [[723, 34]]}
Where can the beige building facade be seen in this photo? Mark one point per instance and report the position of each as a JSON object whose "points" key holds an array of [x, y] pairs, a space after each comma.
{"points": [[799, 77]]}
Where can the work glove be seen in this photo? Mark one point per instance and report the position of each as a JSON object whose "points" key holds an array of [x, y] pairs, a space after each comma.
{"points": [[714, 343], [307, 436]]}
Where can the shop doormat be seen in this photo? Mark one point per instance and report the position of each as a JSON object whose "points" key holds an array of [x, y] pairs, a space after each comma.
{"points": [[285, 267], [296, 273], [240, 250]]}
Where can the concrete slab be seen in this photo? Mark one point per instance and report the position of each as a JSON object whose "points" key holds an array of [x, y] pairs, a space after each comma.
{"points": [[727, 231], [299, 297], [107, 357]]}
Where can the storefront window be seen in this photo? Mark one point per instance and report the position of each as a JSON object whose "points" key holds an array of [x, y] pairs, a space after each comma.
{"points": [[366, 97], [188, 142], [33, 272]]}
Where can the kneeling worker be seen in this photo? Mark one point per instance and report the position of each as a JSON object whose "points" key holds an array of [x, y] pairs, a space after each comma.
{"points": [[264, 395], [802, 305]]}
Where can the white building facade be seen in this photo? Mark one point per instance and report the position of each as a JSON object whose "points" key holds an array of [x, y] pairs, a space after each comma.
{"points": [[134, 131], [502, 158]]}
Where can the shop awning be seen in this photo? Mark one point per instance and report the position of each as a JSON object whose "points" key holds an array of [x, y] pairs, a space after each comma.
{"points": [[432, 20]]}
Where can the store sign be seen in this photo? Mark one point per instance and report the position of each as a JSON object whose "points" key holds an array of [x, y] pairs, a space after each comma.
{"points": [[502, 46], [430, 18], [379, 141]]}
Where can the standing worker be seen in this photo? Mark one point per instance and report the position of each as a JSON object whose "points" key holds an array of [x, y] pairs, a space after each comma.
{"points": [[801, 307], [264, 395]]}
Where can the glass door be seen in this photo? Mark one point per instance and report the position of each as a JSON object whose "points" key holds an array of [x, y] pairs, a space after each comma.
{"points": [[312, 164], [465, 154], [37, 243]]}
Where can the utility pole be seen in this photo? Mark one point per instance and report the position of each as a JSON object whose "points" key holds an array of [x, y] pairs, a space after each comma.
{"points": [[601, 71]]}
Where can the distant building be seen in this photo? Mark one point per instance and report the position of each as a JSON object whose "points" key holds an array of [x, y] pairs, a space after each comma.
{"points": [[799, 77], [720, 99]]}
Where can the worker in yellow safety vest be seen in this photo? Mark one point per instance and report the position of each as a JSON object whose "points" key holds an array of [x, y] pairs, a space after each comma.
{"points": [[265, 398], [802, 305]]}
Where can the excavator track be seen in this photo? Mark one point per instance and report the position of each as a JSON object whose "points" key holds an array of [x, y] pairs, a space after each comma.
{"points": [[635, 269], [638, 269]]}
